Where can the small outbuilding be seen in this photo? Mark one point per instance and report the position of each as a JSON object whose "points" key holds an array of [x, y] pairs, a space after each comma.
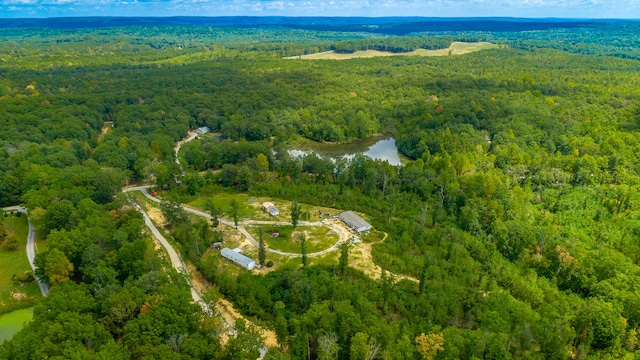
{"points": [[270, 208], [268, 205], [235, 256], [354, 221]]}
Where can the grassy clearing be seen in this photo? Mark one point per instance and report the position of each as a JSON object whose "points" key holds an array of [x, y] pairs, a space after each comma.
{"points": [[456, 48], [318, 238], [252, 210], [15, 295], [223, 202], [13, 322]]}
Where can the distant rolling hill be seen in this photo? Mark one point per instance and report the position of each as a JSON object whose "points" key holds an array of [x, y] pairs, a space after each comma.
{"points": [[384, 25]]}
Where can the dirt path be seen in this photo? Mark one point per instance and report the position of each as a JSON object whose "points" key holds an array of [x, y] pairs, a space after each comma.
{"points": [[225, 308], [105, 129], [360, 258]]}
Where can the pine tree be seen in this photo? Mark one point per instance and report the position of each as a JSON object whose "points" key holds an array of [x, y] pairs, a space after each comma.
{"points": [[262, 253], [344, 258], [296, 209], [214, 212], [423, 276], [303, 250], [234, 212]]}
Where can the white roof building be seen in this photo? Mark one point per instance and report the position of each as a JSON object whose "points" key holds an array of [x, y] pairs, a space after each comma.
{"points": [[354, 221], [235, 256], [203, 130]]}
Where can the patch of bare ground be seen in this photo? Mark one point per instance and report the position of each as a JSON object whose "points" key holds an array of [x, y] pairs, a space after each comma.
{"points": [[184, 140], [225, 307], [19, 296], [105, 129], [360, 258], [198, 280], [156, 216]]}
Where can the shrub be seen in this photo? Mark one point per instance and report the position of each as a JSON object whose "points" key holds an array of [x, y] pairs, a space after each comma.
{"points": [[11, 242], [269, 263]]}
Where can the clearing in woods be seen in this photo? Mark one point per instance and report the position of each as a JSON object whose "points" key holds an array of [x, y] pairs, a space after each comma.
{"points": [[456, 48], [15, 294]]}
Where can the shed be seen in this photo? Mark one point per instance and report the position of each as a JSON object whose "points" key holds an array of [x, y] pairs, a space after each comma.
{"points": [[236, 257], [274, 211], [354, 221], [268, 205]]}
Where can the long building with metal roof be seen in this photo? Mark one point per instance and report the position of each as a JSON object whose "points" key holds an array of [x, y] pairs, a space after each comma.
{"points": [[354, 221], [244, 261]]}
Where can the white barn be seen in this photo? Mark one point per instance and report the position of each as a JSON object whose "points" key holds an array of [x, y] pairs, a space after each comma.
{"points": [[235, 256], [354, 221]]}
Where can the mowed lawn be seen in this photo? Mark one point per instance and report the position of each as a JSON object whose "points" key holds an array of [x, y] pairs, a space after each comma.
{"points": [[456, 48], [223, 202], [15, 262], [318, 238]]}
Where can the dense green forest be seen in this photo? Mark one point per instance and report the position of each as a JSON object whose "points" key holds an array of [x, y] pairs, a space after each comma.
{"points": [[518, 212]]}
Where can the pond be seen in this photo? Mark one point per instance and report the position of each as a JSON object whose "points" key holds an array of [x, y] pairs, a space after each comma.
{"points": [[13, 322], [376, 147]]}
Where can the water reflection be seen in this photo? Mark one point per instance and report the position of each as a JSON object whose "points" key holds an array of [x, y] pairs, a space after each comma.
{"points": [[379, 148]]}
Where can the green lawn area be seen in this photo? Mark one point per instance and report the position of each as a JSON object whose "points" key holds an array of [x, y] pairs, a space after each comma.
{"points": [[15, 262], [223, 202], [13, 322], [318, 238]]}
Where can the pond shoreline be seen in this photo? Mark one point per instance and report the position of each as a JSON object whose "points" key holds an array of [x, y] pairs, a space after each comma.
{"points": [[378, 146]]}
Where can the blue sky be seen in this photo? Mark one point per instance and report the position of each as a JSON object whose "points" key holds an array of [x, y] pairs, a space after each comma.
{"points": [[429, 8]]}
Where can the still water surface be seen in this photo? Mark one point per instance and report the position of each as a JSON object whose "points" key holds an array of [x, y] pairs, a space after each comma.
{"points": [[377, 148]]}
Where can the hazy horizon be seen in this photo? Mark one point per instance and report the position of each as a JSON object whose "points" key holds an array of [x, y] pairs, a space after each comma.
{"points": [[535, 9]]}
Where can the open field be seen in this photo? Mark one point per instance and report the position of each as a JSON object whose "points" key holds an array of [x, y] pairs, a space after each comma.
{"points": [[252, 210], [318, 238], [13, 322], [456, 48], [12, 295]]}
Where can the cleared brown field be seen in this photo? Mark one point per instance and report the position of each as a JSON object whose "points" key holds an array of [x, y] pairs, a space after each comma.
{"points": [[456, 48]]}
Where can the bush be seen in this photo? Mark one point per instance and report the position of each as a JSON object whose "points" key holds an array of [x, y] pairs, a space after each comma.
{"points": [[269, 263], [11, 242], [27, 276]]}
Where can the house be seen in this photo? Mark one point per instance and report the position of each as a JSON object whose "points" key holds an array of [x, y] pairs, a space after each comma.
{"points": [[270, 208], [202, 130], [354, 221], [235, 256], [274, 211]]}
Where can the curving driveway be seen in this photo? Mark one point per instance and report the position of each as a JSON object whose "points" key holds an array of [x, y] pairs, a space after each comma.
{"points": [[177, 262], [31, 245], [342, 234]]}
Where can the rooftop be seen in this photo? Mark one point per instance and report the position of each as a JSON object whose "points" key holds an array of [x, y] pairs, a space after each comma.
{"points": [[236, 257], [354, 220], [268, 205]]}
